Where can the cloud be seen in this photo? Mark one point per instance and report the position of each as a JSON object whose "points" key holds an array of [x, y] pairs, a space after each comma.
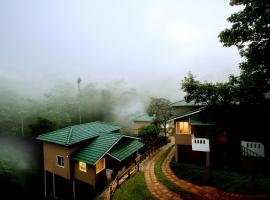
{"points": [[163, 19]]}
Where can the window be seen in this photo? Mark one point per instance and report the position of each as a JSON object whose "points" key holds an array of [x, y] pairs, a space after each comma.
{"points": [[82, 166], [60, 161], [183, 127], [100, 165]]}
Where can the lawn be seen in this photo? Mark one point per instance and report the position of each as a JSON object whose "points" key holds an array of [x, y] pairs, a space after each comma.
{"points": [[163, 179], [133, 189], [224, 180]]}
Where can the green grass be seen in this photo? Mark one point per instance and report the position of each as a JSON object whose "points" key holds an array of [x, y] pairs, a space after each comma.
{"points": [[224, 180], [133, 189], [163, 179]]}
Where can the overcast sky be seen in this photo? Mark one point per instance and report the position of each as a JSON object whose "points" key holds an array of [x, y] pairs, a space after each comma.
{"points": [[149, 44]]}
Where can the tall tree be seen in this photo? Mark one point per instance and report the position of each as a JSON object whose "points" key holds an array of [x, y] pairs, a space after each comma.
{"points": [[250, 33], [79, 80], [161, 109]]}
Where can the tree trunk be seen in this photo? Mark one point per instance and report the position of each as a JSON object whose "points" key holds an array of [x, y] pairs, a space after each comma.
{"points": [[165, 130]]}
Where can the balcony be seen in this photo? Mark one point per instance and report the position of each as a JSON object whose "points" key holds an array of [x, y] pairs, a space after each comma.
{"points": [[183, 139], [200, 144], [254, 149]]}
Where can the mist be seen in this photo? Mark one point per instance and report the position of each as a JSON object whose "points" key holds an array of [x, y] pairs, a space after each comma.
{"points": [[60, 104]]}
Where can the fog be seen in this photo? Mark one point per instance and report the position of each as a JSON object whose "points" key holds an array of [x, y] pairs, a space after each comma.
{"points": [[150, 46], [124, 52]]}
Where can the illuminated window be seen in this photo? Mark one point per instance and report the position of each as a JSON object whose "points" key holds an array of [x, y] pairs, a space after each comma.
{"points": [[100, 165], [82, 166], [183, 127], [60, 161]]}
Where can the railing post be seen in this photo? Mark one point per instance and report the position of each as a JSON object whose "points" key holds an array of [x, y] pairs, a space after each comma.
{"points": [[110, 191], [128, 173]]}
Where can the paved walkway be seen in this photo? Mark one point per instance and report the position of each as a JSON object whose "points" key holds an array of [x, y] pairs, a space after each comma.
{"points": [[203, 191], [158, 190]]}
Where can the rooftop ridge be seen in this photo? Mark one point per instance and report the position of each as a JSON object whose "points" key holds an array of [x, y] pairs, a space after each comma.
{"points": [[69, 135], [112, 145]]}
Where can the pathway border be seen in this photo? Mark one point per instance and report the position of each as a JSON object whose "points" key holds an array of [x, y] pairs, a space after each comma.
{"points": [[157, 189], [204, 191]]}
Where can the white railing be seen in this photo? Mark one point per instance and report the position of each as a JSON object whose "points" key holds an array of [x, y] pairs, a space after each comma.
{"points": [[256, 147], [200, 144]]}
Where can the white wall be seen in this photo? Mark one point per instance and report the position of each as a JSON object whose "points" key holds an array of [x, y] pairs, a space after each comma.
{"points": [[200, 144]]}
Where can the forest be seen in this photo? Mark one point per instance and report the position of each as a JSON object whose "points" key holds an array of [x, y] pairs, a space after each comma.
{"points": [[24, 116]]}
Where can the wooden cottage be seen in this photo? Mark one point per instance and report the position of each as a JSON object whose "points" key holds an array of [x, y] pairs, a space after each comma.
{"points": [[199, 141], [81, 152], [140, 121]]}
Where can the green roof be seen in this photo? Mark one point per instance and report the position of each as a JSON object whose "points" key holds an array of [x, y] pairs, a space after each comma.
{"points": [[96, 148], [144, 118], [124, 149], [196, 122], [78, 133], [184, 103], [184, 114]]}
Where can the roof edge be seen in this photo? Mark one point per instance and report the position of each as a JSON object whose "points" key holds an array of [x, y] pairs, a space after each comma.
{"points": [[109, 148], [185, 115], [114, 157]]}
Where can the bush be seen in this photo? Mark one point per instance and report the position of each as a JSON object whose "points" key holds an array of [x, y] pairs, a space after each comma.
{"points": [[149, 134]]}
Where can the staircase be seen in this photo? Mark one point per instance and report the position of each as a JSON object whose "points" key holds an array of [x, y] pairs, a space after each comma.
{"points": [[252, 149]]}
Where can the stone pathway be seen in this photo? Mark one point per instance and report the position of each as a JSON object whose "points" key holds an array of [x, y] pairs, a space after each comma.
{"points": [[158, 190], [203, 191]]}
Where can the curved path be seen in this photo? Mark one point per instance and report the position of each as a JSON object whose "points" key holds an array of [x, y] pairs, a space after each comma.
{"points": [[158, 190], [204, 191]]}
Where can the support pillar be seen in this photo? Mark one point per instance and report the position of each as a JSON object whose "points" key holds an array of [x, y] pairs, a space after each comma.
{"points": [[176, 153], [74, 192], [207, 164], [53, 186], [45, 184]]}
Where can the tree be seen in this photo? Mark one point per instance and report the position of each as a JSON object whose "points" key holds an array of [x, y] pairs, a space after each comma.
{"points": [[42, 126], [161, 109], [209, 93], [250, 33], [79, 80], [149, 134]]}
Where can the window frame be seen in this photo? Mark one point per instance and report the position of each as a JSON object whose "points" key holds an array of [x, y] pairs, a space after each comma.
{"points": [[81, 169], [183, 123], [104, 166], [62, 158]]}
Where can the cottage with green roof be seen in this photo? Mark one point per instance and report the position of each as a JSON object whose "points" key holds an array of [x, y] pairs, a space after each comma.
{"points": [[183, 106], [81, 152], [201, 141], [140, 121]]}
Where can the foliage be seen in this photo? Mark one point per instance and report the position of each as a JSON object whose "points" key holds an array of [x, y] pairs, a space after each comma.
{"points": [[163, 179], [59, 105], [208, 93], [161, 109], [149, 134], [42, 125], [225, 180], [250, 33], [133, 189]]}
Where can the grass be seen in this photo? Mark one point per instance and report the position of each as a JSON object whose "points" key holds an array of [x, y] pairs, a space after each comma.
{"points": [[163, 179], [224, 180], [133, 189]]}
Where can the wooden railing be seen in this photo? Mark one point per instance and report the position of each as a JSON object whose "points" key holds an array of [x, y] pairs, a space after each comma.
{"points": [[248, 152], [129, 172]]}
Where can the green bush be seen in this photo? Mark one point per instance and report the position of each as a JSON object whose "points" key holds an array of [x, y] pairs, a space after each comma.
{"points": [[149, 134]]}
